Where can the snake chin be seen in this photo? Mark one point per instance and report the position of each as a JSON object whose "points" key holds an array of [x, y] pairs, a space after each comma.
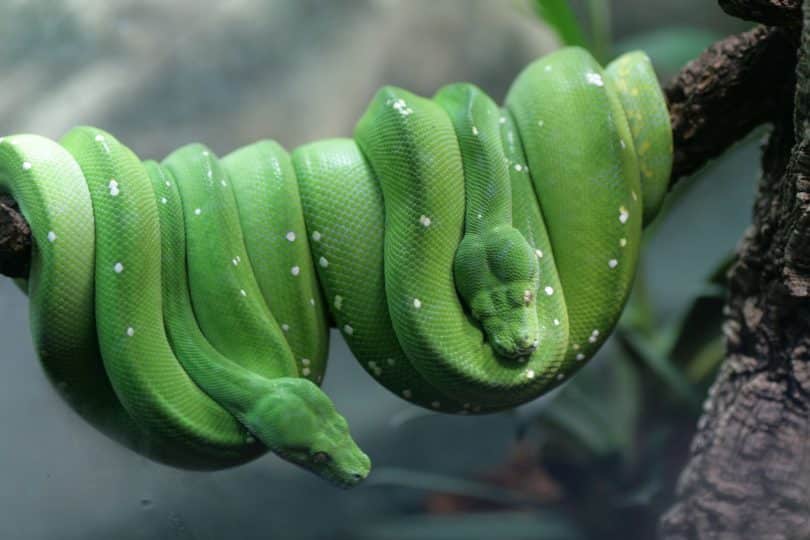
{"points": [[299, 423]]}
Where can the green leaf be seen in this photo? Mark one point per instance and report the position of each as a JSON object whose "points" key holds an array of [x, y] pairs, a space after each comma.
{"points": [[698, 344], [599, 17], [545, 525], [559, 16]]}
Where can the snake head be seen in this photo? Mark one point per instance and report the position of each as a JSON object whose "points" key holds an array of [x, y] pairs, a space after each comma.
{"points": [[497, 275], [299, 423]]}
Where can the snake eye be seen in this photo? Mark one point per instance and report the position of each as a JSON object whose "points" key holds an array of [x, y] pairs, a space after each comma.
{"points": [[320, 458]]}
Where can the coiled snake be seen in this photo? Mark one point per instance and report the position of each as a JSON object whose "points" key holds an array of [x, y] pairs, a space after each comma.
{"points": [[473, 258]]}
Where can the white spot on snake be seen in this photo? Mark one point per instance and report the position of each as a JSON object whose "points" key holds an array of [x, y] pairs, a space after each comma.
{"points": [[530, 374], [305, 361], [2, 140], [26, 165], [580, 356], [575, 346], [316, 236], [635, 197], [305, 371], [475, 131], [295, 270], [130, 331], [99, 138], [235, 261], [417, 303], [51, 236], [164, 200], [338, 301], [539, 253], [518, 167], [400, 106], [621, 141], [285, 327], [114, 191], [480, 216], [560, 377], [348, 329], [595, 332], [435, 404], [168, 184], [291, 236], [623, 214], [540, 123], [205, 153], [407, 394], [323, 262], [549, 290], [613, 263], [390, 361], [424, 220], [118, 268], [502, 120], [556, 322], [198, 211], [622, 242], [592, 339], [242, 292], [547, 68], [312, 301], [224, 183], [527, 296], [594, 79]]}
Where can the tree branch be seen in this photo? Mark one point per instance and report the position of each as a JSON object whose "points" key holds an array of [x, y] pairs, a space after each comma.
{"points": [[749, 469], [736, 85], [786, 13]]}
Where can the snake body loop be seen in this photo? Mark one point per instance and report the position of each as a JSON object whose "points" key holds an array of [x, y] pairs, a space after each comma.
{"points": [[473, 257]]}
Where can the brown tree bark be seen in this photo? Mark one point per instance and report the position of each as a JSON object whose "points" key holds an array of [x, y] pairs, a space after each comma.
{"points": [[749, 470]]}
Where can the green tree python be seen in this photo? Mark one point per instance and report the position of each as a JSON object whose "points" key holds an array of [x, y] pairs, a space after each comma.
{"points": [[473, 257]]}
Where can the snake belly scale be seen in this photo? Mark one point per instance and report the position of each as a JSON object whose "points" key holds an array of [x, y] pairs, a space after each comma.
{"points": [[473, 257]]}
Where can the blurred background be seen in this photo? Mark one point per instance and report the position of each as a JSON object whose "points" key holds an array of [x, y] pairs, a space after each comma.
{"points": [[596, 459]]}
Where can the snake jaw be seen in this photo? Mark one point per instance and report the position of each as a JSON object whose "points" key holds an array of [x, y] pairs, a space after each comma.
{"points": [[299, 423]]}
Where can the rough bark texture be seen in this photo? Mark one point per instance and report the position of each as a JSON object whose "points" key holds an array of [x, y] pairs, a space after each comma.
{"points": [[724, 93], [15, 240], [749, 471], [770, 12]]}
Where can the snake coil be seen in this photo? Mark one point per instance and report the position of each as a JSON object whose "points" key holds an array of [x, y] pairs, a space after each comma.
{"points": [[472, 257]]}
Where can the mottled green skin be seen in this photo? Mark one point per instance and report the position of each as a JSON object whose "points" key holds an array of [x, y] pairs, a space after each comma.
{"points": [[472, 257]]}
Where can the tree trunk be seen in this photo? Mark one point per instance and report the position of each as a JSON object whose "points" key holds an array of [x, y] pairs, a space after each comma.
{"points": [[749, 471]]}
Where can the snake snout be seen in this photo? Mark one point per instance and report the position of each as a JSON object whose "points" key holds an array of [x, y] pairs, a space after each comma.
{"points": [[527, 344], [518, 346]]}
